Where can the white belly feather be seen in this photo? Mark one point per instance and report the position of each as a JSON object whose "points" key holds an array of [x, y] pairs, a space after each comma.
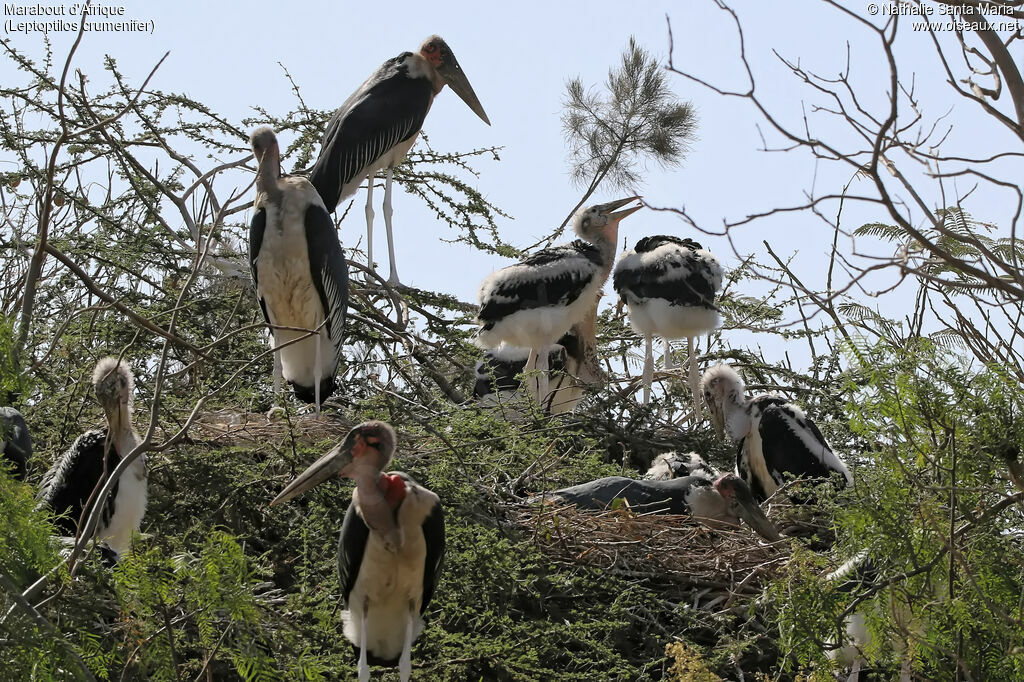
{"points": [[130, 503], [391, 583], [286, 286]]}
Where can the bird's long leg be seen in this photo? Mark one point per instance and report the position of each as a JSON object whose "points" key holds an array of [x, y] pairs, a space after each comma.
{"points": [[278, 369], [364, 667], [542, 378], [393, 277], [316, 374], [369, 222], [668, 354], [528, 371], [694, 389], [648, 369], [405, 662]]}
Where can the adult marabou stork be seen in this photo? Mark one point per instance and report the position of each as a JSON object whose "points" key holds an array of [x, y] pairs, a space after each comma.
{"points": [[669, 285], [724, 500], [391, 547], [300, 273], [534, 302], [15, 441], [669, 465], [77, 476], [378, 124], [777, 441], [573, 361]]}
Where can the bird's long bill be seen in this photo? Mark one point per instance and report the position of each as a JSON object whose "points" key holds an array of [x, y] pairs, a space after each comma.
{"points": [[717, 419], [606, 209], [750, 512], [459, 83], [330, 465]]}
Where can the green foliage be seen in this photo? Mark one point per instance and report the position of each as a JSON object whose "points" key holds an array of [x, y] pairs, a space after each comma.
{"points": [[637, 118], [13, 382], [931, 510]]}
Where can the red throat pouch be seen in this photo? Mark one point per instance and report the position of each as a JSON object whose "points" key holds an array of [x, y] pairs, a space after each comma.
{"points": [[393, 487]]}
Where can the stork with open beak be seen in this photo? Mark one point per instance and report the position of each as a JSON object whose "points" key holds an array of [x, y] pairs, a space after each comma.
{"points": [[378, 124], [391, 547], [534, 302]]}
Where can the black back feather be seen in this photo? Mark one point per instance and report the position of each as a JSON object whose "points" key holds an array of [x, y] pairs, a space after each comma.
{"points": [[70, 482], [387, 109]]}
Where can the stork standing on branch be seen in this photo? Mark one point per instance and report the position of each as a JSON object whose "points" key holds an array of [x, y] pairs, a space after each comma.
{"points": [[391, 547], [777, 440], [536, 301], [70, 486], [300, 273], [15, 441], [378, 124], [669, 285]]}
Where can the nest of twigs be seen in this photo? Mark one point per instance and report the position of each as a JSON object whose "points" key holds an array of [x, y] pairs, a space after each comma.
{"points": [[234, 427], [714, 566]]}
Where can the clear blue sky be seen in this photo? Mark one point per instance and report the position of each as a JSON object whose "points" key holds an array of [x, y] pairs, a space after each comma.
{"points": [[518, 57]]}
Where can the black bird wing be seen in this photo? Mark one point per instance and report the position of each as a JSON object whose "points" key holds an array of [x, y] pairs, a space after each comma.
{"points": [[256, 230], [388, 108], [497, 371], [351, 546], [646, 496], [681, 275], [70, 482], [15, 441], [433, 534], [793, 446], [554, 276], [329, 272]]}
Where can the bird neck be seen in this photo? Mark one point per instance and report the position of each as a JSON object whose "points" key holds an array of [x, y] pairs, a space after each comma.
{"points": [[421, 67], [605, 240], [379, 496], [267, 175], [737, 420]]}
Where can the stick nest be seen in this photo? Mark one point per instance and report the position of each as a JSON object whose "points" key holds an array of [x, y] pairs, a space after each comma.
{"points": [[714, 565]]}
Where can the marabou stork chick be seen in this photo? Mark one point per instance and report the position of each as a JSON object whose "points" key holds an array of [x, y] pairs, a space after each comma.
{"points": [[75, 478], [572, 362], [669, 286], [15, 441], [669, 465], [534, 302], [723, 501], [300, 273], [391, 547], [777, 440], [378, 124]]}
